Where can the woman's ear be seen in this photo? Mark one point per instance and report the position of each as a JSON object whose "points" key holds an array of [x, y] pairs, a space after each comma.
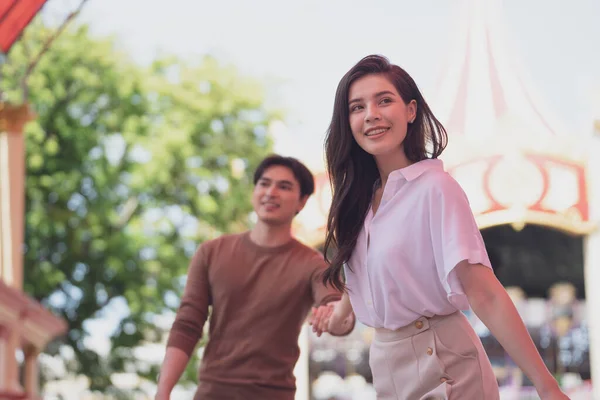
{"points": [[411, 110]]}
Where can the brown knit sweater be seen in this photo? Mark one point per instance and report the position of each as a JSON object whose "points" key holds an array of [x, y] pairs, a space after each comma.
{"points": [[260, 298]]}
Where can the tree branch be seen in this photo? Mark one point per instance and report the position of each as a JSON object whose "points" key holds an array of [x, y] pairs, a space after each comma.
{"points": [[46, 47]]}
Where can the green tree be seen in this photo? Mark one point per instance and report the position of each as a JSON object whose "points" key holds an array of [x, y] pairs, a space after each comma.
{"points": [[128, 169]]}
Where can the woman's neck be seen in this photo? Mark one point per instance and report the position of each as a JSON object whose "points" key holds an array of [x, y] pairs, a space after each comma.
{"points": [[386, 163]]}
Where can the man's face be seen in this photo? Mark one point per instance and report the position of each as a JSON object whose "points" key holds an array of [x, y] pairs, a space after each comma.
{"points": [[276, 197]]}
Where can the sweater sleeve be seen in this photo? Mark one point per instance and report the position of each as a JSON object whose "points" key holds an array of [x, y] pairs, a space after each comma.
{"points": [[193, 310], [322, 294]]}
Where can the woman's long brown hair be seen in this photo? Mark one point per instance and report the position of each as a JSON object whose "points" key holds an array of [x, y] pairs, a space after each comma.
{"points": [[353, 172]]}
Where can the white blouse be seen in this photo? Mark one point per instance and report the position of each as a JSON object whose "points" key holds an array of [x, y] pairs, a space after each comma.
{"points": [[403, 264]]}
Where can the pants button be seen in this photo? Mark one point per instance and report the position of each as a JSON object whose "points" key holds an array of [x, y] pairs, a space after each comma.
{"points": [[443, 380], [429, 351], [419, 324]]}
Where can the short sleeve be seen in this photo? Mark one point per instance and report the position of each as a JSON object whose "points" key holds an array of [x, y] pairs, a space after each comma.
{"points": [[455, 237], [193, 310], [322, 294]]}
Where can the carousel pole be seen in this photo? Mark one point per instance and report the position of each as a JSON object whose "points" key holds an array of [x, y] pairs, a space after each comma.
{"points": [[592, 260]]}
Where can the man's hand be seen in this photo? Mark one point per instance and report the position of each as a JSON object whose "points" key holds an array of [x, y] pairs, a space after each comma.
{"points": [[319, 318], [336, 317]]}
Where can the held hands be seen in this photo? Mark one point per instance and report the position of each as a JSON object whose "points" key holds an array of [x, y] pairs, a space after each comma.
{"points": [[335, 318], [319, 318]]}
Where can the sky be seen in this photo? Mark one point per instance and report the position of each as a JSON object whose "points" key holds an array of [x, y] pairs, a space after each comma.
{"points": [[300, 50]]}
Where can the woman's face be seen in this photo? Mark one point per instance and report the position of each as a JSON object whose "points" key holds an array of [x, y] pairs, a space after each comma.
{"points": [[379, 117]]}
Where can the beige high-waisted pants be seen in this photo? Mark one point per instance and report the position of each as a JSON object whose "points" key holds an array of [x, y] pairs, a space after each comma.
{"points": [[410, 362]]}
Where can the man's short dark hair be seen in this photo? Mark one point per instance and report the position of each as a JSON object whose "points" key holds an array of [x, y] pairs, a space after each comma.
{"points": [[301, 173]]}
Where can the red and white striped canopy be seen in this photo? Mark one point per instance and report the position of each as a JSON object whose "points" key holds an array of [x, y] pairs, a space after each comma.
{"points": [[15, 15], [482, 90]]}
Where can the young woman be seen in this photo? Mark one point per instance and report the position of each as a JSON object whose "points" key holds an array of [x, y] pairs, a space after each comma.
{"points": [[409, 247]]}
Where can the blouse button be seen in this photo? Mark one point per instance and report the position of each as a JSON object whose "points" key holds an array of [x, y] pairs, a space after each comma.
{"points": [[443, 380], [419, 324]]}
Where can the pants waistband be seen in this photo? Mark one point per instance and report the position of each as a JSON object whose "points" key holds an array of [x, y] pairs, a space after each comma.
{"points": [[417, 326]]}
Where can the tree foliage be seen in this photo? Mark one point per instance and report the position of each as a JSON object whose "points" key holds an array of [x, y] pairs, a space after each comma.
{"points": [[128, 169]]}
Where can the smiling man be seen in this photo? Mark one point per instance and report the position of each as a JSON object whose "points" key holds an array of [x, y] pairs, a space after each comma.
{"points": [[261, 285]]}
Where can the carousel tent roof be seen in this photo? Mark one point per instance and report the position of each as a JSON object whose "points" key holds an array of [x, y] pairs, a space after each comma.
{"points": [[15, 15], [483, 90], [503, 142]]}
